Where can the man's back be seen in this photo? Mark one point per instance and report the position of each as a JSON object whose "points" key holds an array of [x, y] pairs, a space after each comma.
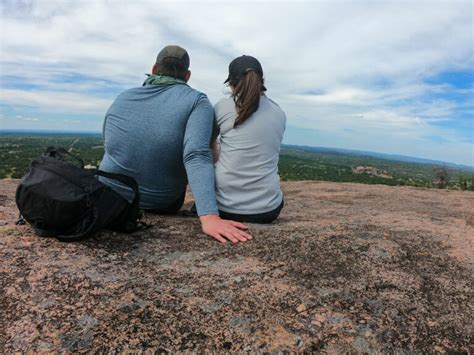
{"points": [[155, 134]]}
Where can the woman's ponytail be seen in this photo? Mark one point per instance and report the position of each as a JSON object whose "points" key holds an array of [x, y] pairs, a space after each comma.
{"points": [[246, 95]]}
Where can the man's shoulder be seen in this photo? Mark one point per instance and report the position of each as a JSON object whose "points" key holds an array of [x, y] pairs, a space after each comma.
{"points": [[185, 93], [149, 88], [130, 92], [191, 94], [198, 94]]}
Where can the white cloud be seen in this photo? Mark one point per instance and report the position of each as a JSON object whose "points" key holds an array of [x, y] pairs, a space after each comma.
{"points": [[331, 65], [54, 101]]}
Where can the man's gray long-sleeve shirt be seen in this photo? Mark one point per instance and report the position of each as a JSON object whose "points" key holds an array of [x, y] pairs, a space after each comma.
{"points": [[160, 135]]}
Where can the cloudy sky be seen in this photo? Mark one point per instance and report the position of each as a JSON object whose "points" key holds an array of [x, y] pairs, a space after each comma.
{"points": [[386, 76]]}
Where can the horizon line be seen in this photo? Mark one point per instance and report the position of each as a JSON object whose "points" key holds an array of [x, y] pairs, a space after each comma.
{"points": [[428, 160]]}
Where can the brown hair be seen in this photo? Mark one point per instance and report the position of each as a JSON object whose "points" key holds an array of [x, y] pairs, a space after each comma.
{"points": [[169, 67], [246, 95]]}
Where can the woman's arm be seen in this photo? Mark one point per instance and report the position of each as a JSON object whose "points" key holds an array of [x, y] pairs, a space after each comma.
{"points": [[215, 147]]}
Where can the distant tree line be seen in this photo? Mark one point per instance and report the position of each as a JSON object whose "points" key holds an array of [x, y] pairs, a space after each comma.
{"points": [[443, 180], [17, 151]]}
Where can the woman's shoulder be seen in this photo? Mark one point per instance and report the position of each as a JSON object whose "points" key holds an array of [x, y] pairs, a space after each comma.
{"points": [[224, 110], [270, 107], [224, 105], [272, 103]]}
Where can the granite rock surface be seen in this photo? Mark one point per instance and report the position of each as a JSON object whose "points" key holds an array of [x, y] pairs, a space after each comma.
{"points": [[347, 267]]}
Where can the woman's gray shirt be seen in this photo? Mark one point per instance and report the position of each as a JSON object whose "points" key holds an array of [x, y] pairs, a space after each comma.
{"points": [[247, 180]]}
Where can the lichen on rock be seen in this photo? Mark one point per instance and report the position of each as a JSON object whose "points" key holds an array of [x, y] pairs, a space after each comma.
{"points": [[346, 268]]}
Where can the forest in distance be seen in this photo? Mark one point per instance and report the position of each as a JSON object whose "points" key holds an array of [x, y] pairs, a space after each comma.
{"points": [[296, 163]]}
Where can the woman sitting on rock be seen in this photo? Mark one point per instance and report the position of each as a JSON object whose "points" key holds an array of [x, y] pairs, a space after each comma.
{"points": [[249, 131]]}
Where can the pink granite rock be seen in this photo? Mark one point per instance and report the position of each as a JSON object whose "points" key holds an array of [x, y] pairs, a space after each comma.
{"points": [[377, 269]]}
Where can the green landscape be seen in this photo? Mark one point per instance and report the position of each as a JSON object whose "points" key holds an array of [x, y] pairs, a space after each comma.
{"points": [[296, 163]]}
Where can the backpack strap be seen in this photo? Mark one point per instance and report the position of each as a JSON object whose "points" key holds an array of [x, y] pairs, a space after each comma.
{"points": [[127, 180], [133, 217], [85, 233], [60, 153]]}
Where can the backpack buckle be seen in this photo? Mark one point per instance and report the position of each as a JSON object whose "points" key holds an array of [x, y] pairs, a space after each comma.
{"points": [[21, 221]]}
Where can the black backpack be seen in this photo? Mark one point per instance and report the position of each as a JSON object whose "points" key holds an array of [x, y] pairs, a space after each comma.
{"points": [[68, 202]]}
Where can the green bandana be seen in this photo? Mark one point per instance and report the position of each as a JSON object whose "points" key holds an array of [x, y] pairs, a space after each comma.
{"points": [[162, 80]]}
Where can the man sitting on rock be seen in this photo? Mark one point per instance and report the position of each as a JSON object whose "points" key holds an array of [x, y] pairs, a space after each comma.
{"points": [[160, 135]]}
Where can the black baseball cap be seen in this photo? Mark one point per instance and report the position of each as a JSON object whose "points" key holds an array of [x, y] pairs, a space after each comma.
{"points": [[173, 54], [241, 65]]}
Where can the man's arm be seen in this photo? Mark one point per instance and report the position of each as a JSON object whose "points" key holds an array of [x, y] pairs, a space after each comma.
{"points": [[197, 159]]}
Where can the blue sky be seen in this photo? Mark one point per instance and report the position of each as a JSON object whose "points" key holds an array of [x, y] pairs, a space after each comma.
{"points": [[388, 76]]}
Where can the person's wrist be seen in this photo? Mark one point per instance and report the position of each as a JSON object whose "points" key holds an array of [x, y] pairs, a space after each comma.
{"points": [[209, 217]]}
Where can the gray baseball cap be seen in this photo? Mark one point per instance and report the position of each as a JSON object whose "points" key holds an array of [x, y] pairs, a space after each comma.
{"points": [[175, 55]]}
